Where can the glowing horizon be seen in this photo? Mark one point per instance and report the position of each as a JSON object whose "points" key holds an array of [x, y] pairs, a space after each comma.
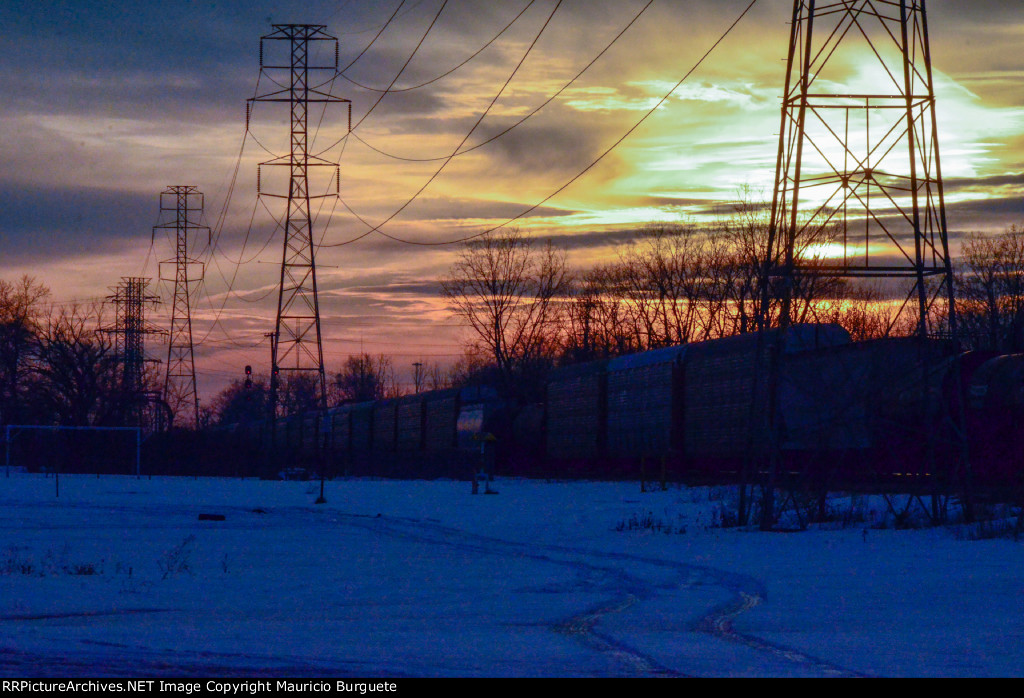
{"points": [[88, 150]]}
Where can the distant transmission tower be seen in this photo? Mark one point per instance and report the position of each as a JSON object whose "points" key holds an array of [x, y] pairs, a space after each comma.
{"points": [[130, 300], [179, 390], [858, 174], [297, 343]]}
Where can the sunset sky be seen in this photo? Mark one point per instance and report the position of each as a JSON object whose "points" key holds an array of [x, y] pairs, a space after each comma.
{"points": [[105, 104]]}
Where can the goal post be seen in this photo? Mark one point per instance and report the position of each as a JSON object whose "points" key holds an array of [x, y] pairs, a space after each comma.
{"points": [[83, 449]]}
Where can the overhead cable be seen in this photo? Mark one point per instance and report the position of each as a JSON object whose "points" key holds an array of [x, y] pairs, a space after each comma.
{"points": [[599, 158]]}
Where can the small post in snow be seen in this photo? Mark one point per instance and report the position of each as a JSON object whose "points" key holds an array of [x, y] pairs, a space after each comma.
{"points": [[486, 470]]}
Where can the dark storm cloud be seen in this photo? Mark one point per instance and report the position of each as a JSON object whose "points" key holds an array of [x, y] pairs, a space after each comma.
{"points": [[154, 95], [398, 253], [667, 202], [121, 61], [44, 223], [485, 19], [103, 38], [132, 57], [422, 126], [728, 208]]}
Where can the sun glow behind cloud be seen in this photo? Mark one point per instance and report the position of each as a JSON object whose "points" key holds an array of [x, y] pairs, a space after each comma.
{"points": [[710, 139], [714, 138], [150, 115]]}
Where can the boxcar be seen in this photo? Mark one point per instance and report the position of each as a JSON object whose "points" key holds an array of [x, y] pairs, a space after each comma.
{"points": [[644, 404], [576, 412], [726, 388], [409, 429], [441, 417], [871, 411]]}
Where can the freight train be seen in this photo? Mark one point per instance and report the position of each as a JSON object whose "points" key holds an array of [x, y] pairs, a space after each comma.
{"points": [[829, 409]]}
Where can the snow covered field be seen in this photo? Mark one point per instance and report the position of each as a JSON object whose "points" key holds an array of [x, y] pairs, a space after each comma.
{"points": [[119, 577]]}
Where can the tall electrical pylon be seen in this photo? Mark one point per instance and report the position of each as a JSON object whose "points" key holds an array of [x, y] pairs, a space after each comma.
{"points": [[858, 182], [297, 343], [130, 329], [179, 392], [858, 187]]}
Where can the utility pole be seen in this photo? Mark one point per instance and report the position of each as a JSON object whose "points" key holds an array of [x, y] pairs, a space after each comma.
{"points": [[271, 454], [292, 58], [417, 375], [858, 181], [180, 379], [272, 337]]}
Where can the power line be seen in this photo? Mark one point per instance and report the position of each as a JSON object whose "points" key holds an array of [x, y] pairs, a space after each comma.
{"points": [[447, 72], [599, 158], [479, 120], [374, 40], [400, 71], [384, 92], [215, 243], [523, 119], [412, 8], [344, 139], [218, 230], [460, 151]]}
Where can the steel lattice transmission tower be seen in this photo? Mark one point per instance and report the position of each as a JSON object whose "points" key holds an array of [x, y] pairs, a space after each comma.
{"points": [[297, 343], [179, 392], [858, 183], [130, 329]]}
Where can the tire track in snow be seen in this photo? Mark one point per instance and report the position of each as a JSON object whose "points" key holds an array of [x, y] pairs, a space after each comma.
{"points": [[582, 628], [748, 592], [719, 624], [629, 588]]}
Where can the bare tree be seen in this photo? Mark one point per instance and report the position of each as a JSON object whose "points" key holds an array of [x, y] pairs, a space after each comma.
{"points": [[597, 318], [678, 281], [473, 368], [298, 393], [864, 310], [991, 290], [78, 373], [747, 236], [511, 296], [21, 320], [435, 377], [363, 378], [240, 402]]}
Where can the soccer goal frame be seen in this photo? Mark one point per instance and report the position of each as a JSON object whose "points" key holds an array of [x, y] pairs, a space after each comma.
{"points": [[12, 430]]}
